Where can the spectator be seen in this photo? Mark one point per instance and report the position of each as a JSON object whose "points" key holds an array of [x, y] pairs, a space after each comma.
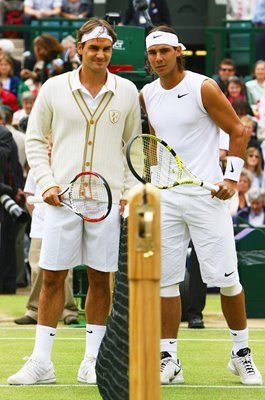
{"points": [[73, 9], [240, 199], [47, 61], [239, 9], [13, 177], [158, 11], [38, 9], [253, 163], [259, 20], [235, 89], [256, 87], [242, 107], [227, 68], [9, 81], [7, 47], [8, 99], [254, 214], [28, 99], [70, 54]]}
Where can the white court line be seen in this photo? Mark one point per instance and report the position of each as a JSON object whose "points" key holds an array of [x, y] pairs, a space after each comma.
{"points": [[33, 328], [179, 339], [245, 387]]}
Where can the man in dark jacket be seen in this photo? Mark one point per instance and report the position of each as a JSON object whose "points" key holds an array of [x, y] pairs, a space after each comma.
{"points": [[157, 9]]}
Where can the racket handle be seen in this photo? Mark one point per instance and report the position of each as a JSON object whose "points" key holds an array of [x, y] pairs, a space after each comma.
{"points": [[34, 199], [210, 186]]}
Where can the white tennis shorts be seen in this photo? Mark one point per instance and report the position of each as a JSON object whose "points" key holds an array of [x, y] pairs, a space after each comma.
{"points": [[205, 220], [68, 241]]}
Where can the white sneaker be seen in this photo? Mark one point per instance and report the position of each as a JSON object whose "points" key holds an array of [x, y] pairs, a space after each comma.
{"points": [[87, 370], [242, 364], [33, 373], [170, 370]]}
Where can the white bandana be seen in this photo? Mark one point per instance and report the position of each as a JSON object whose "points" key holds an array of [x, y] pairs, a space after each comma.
{"points": [[100, 32], [160, 37]]}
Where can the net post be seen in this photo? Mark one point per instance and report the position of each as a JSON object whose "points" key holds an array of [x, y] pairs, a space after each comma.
{"points": [[144, 293]]}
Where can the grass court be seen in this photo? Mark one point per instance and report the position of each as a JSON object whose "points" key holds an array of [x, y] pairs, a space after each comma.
{"points": [[204, 356]]}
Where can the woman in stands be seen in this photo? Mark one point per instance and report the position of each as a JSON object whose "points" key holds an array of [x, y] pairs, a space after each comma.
{"points": [[9, 81]]}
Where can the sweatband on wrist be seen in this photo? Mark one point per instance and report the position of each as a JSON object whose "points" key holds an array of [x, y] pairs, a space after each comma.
{"points": [[233, 169]]}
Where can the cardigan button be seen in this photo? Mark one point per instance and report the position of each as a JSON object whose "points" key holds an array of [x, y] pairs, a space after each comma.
{"points": [[91, 122], [89, 142], [87, 163]]}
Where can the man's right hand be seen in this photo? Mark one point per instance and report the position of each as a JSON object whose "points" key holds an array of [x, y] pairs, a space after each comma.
{"points": [[51, 196]]}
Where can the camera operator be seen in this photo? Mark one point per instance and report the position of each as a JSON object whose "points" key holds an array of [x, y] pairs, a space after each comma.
{"points": [[11, 177]]}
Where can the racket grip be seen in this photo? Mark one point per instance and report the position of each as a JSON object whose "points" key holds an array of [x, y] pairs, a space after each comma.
{"points": [[34, 199], [210, 186]]}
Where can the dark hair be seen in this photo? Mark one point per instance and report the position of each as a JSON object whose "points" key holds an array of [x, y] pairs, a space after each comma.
{"points": [[92, 24], [180, 59], [228, 61], [242, 107]]}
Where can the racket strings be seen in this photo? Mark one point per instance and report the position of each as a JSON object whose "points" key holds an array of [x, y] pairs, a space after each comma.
{"points": [[154, 163], [89, 197]]}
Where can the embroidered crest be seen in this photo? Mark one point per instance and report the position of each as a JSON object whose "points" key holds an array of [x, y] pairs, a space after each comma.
{"points": [[114, 116]]}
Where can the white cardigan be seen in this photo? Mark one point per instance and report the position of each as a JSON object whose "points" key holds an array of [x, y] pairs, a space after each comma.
{"points": [[82, 141]]}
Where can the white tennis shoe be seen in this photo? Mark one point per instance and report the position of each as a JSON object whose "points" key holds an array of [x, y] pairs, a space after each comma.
{"points": [[241, 364], [33, 373], [170, 370], [87, 370]]}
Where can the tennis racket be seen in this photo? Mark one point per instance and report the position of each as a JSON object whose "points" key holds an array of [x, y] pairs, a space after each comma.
{"points": [[89, 197], [152, 160]]}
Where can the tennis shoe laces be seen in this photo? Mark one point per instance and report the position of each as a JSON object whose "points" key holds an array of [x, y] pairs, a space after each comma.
{"points": [[241, 364], [170, 370], [87, 370], [33, 373]]}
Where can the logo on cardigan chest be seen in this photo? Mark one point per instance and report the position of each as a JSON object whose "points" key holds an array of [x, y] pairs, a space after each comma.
{"points": [[114, 116]]}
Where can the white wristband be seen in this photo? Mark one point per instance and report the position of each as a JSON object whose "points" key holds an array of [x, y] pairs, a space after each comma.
{"points": [[233, 169]]}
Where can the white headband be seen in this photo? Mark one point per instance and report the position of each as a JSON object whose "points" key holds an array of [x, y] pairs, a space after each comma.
{"points": [[100, 32], [160, 37]]}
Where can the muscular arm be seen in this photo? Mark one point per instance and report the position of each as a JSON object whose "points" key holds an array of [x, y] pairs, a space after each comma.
{"points": [[222, 113]]}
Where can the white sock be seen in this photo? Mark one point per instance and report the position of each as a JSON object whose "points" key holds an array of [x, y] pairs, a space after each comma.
{"points": [[94, 336], [43, 343], [240, 339], [169, 345]]}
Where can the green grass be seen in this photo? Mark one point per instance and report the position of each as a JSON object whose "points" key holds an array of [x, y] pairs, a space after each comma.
{"points": [[203, 353]]}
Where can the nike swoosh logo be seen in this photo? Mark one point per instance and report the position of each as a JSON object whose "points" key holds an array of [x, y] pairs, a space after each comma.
{"points": [[156, 36], [89, 331], [232, 168], [234, 334], [172, 342], [182, 95], [52, 334], [230, 273]]}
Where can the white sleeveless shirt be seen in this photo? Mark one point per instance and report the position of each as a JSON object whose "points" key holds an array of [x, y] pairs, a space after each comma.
{"points": [[179, 117]]}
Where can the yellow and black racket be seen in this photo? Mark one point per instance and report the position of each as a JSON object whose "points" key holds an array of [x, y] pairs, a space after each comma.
{"points": [[152, 160], [89, 197]]}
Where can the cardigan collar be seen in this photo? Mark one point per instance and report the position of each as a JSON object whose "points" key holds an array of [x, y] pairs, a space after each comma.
{"points": [[110, 84]]}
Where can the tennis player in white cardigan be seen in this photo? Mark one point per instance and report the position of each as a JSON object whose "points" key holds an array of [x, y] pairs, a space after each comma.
{"points": [[91, 114]]}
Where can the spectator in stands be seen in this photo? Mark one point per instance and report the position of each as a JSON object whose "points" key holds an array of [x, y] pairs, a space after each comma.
{"points": [[76, 9], [47, 60], [227, 68], [254, 214], [253, 163], [28, 99], [242, 107], [157, 9], [259, 20], [70, 54], [38, 9], [235, 89], [9, 81], [7, 47], [256, 87], [13, 176], [239, 9], [240, 199], [250, 126], [8, 99]]}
